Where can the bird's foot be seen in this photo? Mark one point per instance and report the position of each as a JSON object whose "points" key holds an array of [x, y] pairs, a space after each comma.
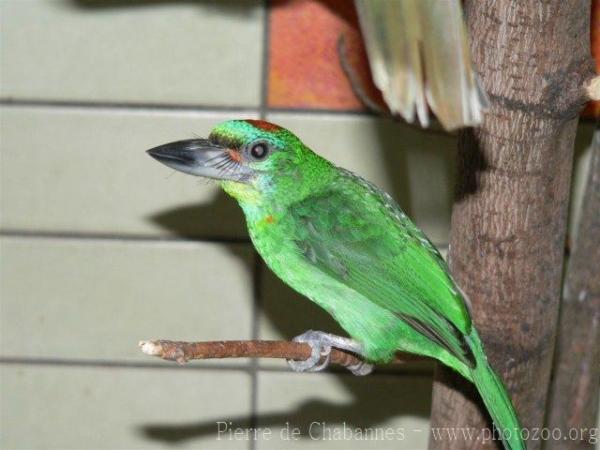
{"points": [[321, 344]]}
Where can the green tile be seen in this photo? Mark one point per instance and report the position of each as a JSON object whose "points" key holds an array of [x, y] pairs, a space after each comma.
{"points": [[396, 405], [116, 408], [86, 171], [416, 167], [206, 53], [96, 299]]}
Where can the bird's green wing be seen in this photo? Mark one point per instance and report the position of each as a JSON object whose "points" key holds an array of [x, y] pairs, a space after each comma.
{"points": [[359, 236]]}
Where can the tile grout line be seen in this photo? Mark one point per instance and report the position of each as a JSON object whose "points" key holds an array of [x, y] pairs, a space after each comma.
{"points": [[173, 107], [113, 364], [130, 238], [84, 236], [123, 364], [253, 367], [258, 265], [150, 107], [324, 111], [264, 87]]}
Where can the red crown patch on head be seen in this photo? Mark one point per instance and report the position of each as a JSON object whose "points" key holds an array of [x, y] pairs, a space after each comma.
{"points": [[263, 125]]}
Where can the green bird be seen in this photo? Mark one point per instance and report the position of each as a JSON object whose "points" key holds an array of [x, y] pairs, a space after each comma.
{"points": [[347, 246]]}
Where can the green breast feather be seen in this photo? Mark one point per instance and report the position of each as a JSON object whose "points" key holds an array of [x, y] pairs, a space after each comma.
{"points": [[359, 237]]}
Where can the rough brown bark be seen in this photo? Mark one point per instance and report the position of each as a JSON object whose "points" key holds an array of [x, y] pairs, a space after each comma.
{"points": [[509, 217], [573, 401]]}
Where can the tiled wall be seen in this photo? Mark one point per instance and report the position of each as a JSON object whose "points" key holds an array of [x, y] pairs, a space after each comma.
{"points": [[101, 246]]}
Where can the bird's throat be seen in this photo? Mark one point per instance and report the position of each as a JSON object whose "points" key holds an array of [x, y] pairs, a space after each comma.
{"points": [[242, 192]]}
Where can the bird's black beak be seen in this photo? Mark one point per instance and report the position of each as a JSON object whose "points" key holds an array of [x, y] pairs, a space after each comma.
{"points": [[202, 158]]}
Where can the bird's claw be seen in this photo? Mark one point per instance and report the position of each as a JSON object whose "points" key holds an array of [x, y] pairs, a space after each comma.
{"points": [[319, 350], [360, 368], [321, 344]]}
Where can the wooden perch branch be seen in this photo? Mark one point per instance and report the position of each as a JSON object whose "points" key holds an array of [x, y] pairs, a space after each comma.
{"points": [[182, 352]]}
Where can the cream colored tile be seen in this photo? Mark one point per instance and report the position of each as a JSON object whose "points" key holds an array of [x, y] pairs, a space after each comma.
{"points": [[205, 52], [415, 167], [97, 299], [115, 408], [396, 405], [79, 170]]}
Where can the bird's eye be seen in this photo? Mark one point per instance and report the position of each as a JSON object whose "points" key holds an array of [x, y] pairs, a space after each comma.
{"points": [[259, 150]]}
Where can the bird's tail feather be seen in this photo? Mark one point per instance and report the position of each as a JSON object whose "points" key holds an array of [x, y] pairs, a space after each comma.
{"points": [[495, 397]]}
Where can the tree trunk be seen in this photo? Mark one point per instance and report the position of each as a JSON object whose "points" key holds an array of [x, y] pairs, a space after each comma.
{"points": [[574, 397], [509, 216]]}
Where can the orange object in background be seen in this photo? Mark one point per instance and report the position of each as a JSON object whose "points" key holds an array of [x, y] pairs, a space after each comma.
{"points": [[304, 66]]}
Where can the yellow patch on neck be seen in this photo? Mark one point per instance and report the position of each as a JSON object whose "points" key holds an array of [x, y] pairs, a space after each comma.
{"points": [[241, 192]]}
